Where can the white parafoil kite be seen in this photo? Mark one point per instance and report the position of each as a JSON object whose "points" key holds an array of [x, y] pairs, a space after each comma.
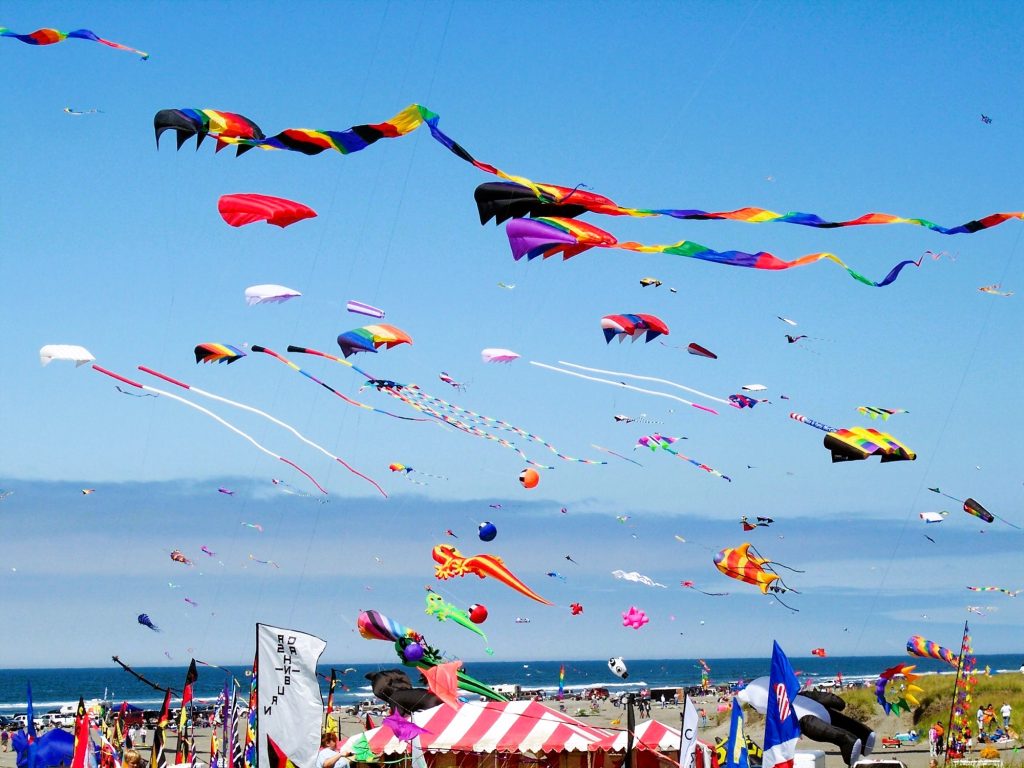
{"points": [[496, 355], [51, 352], [268, 294]]}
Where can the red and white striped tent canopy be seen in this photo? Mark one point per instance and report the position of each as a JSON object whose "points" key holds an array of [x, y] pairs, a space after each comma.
{"points": [[650, 734], [508, 726]]}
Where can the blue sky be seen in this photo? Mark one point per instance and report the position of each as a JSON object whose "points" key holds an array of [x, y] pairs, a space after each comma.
{"points": [[837, 110]]}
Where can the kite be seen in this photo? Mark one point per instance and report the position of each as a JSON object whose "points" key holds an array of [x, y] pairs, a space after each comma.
{"points": [[211, 414], [932, 517], [450, 532], [263, 562], [507, 286], [986, 119], [311, 377], [632, 326], [373, 625], [762, 522], [656, 441], [267, 416], [178, 557], [358, 308], [906, 697], [624, 385], [743, 563], [520, 620], [637, 577], [442, 611], [498, 355], [191, 602], [576, 609], [926, 649], [226, 491], [556, 575], [207, 551], [753, 387], [203, 122], [874, 412], [811, 422], [49, 36], [818, 652], [742, 401], [972, 507], [617, 666], [87, 491], [212, 352], [634, 617], [145, 621], [451, 563], [447, 379], [487, 531], [81, 112], [516, 196], [690, 585], [257, 526], [269, 294], [569, 558], [641, 419], [1007, 592], [529, 478], [239, 210], [645, 282], [370, 338], [547, 237], [696, 349], [795, 339], [477, 613], [858, 443], [613, 453], [79, 355], [786, 320], [995, 290], [403, 729], [396, 467]]}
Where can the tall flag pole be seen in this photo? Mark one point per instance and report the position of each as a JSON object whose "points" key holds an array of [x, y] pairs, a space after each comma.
{"points": [[736, 746], [781, 726], [157, 758], [962, 687], [182, 752]]}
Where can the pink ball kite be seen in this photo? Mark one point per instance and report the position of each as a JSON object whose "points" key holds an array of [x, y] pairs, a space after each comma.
{"points": [[634, 618]]}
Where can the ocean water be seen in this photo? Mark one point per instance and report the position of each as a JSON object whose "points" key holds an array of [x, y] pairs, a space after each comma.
{"points": [[52, 688]]}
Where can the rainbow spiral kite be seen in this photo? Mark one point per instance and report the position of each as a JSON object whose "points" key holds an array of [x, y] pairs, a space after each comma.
{"points": [[926, 649], [48, 36]]}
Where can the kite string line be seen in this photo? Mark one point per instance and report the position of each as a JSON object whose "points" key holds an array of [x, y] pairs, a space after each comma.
{"points": [[931, 460], [647, 378], [613, 383], [213, 416], [266, 415]]}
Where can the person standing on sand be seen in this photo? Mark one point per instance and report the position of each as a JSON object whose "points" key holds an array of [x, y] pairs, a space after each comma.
{"points": [[1005, 711], [933, 742], [990, 717]]}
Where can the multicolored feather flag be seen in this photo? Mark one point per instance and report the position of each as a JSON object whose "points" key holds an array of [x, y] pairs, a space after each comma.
{"points": [[781, 725]]}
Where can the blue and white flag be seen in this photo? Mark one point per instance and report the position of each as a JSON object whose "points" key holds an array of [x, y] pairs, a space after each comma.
{"points": [[781, 725], [736, 747]]}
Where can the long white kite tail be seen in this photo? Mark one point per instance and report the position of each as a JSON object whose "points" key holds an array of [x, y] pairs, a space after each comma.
{"points": [[213, 416]]}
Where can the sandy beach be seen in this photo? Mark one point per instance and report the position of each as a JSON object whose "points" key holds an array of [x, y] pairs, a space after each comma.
{"points": [[915, 756]]}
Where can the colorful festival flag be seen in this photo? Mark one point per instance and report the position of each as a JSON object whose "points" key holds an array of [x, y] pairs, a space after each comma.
{"points": [[736, 746], [781, 726]]}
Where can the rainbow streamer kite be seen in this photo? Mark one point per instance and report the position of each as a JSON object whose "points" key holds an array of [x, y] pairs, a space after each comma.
{"points": [[926, 649], [1007, 592], [524, 197], [48, 36], [547, 237]]}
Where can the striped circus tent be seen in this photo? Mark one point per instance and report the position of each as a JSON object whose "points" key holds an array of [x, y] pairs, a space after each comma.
{"points": [[652, 736], [512, 726]]}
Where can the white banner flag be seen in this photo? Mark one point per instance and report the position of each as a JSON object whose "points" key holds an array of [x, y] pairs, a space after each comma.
{"points": [[688, 742], [291, 708]]}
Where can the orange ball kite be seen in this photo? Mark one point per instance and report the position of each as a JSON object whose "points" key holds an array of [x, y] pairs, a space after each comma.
{"points": [[529, 478]]}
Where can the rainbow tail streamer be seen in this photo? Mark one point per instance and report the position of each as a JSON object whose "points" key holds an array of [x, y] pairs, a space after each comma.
{"points": [[552, 197], [549, 236], [267, 416], [213, 416], [48, 36]]}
